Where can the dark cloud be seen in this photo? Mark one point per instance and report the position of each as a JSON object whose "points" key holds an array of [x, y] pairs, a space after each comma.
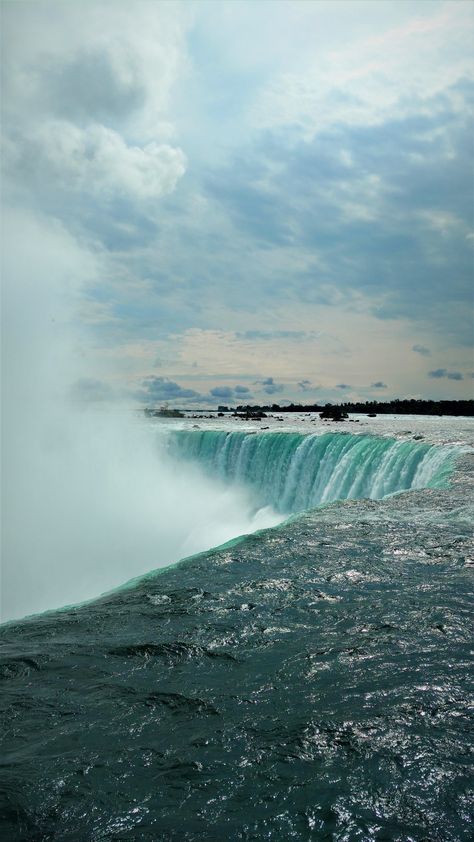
{"points": [[269, 386], [162, 389], [304, 385], [343, 386], [420, 349], [378, 385], [273, 389], [88, 87], [443, 372], [394, 219], [222, 392], [229, 391], [251, 210]]}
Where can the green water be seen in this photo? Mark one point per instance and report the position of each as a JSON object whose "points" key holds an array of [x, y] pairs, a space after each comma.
{"points": [[295, 471], [311, 682]]}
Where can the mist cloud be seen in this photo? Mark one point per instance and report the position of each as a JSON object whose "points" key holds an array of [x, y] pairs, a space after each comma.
{"points": [[90, 390]]}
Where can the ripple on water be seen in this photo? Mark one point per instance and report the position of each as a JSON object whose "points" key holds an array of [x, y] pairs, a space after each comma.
{"points": [[297, 686]]}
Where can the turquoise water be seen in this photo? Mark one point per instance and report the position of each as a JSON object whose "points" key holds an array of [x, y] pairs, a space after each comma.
{"points": [[310, 682], [295, 471]]}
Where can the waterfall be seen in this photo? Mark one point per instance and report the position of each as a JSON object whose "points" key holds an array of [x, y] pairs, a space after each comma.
{"points": [[294, 471]]}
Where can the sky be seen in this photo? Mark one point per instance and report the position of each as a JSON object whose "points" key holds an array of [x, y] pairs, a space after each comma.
{"points": [[238, 202]]}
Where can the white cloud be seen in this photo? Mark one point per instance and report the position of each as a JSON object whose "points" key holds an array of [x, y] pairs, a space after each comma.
{"points": [[97, 160], [373, 78], [86, 98], [90, 58]]}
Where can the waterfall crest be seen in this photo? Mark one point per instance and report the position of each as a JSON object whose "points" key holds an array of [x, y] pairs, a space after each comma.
{"points": [[294, 471]]}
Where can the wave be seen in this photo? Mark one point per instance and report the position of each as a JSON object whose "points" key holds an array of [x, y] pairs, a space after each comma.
{"points": [[292, 471]]}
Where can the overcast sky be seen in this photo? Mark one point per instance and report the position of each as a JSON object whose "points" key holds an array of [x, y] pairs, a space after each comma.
{"points": [[242, 201]]}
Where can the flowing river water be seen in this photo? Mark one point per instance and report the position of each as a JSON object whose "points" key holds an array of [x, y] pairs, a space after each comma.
{"points": [[310, 681]]}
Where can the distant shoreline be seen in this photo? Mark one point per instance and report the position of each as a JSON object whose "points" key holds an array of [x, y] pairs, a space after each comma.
{"points": [[460, 408]]}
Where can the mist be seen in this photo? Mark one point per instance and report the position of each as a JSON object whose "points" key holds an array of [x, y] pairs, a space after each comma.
{"points": [[90, 497]]}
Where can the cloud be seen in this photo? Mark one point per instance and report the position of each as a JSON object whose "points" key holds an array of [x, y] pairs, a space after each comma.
{"points": [[95, 64], [378, 385], [95, 84], [229, 391], [273, 388], [366, 75], [265, 335], [304, 385], [342, 197], [85, 97], [443, 372], [343, 386], [420, 349], [269, 386], [368, 206], [95, 160], [163, 389], [222, 392]]}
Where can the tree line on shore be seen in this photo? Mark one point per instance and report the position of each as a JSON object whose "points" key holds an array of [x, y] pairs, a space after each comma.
{"points": [[407, 406]]}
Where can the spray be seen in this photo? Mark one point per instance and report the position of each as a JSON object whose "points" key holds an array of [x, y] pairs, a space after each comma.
{"points": [[90, 497]]}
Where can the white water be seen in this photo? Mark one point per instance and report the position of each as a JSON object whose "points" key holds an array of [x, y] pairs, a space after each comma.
{"points": [[297, 471], [94, 502], [88, 499]]}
